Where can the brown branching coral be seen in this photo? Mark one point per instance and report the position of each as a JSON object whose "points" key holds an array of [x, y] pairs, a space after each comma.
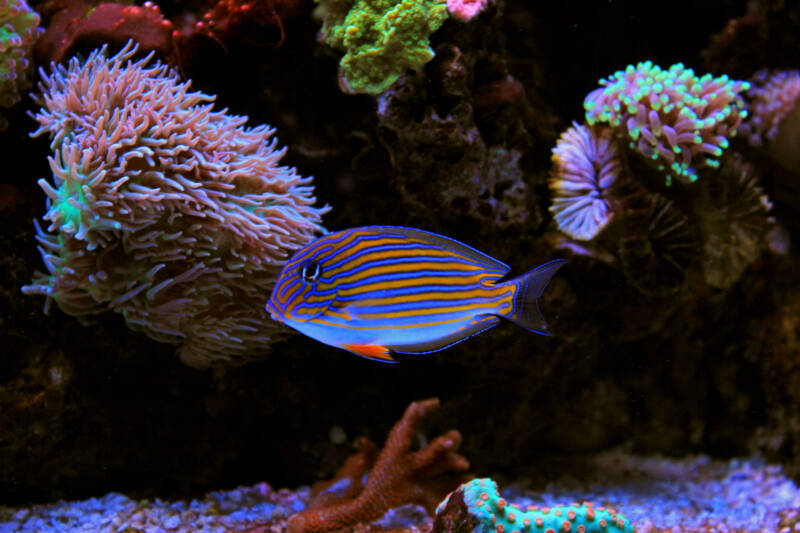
{"points": [[398, 476]]}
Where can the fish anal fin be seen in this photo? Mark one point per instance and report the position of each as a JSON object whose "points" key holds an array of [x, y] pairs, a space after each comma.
{"points": [[371, 351]]}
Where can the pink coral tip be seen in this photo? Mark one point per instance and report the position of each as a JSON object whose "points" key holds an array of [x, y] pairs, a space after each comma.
{"points": [[464, 10]]}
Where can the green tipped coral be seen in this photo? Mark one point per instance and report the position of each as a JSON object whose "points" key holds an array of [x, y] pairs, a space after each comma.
{"points": [[678, 120], [380, 38], [19, 28]]}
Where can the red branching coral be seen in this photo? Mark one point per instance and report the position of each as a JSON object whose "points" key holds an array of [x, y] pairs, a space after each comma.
{"points": [[78, 23], [398, 476], [81, 21]]}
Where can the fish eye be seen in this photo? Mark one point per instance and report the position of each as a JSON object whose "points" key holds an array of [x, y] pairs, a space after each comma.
{"points": [[309, 271]]}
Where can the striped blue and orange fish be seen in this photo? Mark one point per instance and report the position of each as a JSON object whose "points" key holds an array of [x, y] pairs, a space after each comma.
{"points": [[381, 290]]}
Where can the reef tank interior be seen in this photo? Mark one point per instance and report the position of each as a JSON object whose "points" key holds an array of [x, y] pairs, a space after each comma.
{"points": [[400, 265]]}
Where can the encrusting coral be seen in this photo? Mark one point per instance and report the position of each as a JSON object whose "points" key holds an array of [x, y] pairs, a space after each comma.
{"points": [[380, 38], [476, 506], [19, 28], [161, 209], [396, 476]]}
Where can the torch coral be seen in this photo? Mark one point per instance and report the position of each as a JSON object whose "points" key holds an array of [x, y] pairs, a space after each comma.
{"points": [[586, 167], [19, 28], [399, 476], [672, 117], [380, 38], [477, 506], [164, 210]]}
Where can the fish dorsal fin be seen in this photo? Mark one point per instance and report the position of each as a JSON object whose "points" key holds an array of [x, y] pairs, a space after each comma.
{"points": [[479, 258]]}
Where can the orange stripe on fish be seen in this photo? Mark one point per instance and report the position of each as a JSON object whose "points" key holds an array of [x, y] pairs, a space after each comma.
{"points": [[414, 282]]}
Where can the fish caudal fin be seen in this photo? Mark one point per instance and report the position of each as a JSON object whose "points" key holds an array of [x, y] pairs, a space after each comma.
{"points": [[530, 287]]}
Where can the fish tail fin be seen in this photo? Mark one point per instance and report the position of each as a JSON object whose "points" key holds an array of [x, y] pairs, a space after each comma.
{"points": [[530, 287]]}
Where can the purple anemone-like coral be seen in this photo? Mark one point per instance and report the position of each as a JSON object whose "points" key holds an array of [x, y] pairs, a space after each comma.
{"points": [[586, 166], [677, 120], [161, 209], [771, 98], [774, 116]]}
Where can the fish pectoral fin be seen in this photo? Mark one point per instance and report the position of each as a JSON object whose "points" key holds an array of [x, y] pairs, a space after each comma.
{"points": [[355, 310], [478, 325], [375, 352]]}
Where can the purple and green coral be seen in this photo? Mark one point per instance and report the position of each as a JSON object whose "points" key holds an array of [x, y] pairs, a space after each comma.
{"points": [[678, 120], [19, 28], [489, 513], [381, 38]]}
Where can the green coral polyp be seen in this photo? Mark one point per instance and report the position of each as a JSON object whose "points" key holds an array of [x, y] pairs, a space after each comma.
{"points": [[381, 38], [70, 215]]}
